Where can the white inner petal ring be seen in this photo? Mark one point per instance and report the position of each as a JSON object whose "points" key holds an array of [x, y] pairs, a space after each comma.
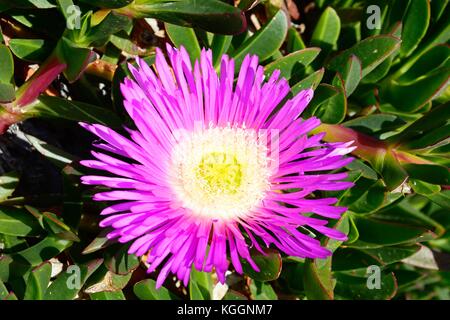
{"points": [[220, 173]]}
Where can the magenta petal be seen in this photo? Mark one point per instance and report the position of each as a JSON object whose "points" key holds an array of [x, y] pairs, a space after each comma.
{"points": [[174, 99]]}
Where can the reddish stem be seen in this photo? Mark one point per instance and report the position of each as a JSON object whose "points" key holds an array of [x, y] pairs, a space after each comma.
{"points": [[39, 81]]}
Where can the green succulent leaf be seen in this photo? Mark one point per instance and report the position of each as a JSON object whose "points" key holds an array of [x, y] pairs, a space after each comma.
{"points": [[200, 285], [182, 36], [55, 107], [8, 183], [415, 25], [119, 261], [293, 63], [265, 41], [375, 233], [311, 81], [38, 281], [108, 295], [18, 222], [269, 264], [7, 70], [34, 50], [210, 15], [262, 291], [327, 30], [357, 287], [7, 93], [146, 290], [371, 52], [68, 284]]}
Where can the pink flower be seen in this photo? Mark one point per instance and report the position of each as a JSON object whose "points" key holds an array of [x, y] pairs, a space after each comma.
{"points": [[215, 167]]}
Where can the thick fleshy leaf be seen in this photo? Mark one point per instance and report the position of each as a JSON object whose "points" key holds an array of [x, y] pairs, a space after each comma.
{"points": [[118, 261], [269, 265], [7, 93], [429, 139], [392, 172], [182, 36], [7, 69], [350, 259], [265, 41], [412, 97], [317, 273], [406, 212], [146, 290], [379, 72], [262, 291], [8, 183], [434, 58], [55, 107], [375, 123], [68, 283], [357, 287], [384, 233], [415, 25], [10, 269], [107, 295], [212, 15], [100, 242], [322, 94], [333, 111], [351, 74], [76, 58], [429, 173], [200, 285], [34, 50], [367, 196], [293, 63], [12, 243], [219, 46], [18, 222], [234, 295], [353, 233], [294, 40], [17, 264], [43, 250], [311, 81], [3, 291], [327, 30], [35, 4], [366, 171], [99, 33], [318, 281], [104, 280], [442, 198], [110, 4], [38, 281], [389, 255], [435, 118], [424, 188], [56, 226], [371, 52]]}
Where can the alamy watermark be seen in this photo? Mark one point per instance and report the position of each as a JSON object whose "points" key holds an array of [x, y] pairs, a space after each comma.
{"points": [[74, 279], [373, 274], [73, 17], [374, 19]]}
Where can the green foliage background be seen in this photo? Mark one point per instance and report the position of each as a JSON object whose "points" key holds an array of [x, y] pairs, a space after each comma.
{"points": [[381, 82]]}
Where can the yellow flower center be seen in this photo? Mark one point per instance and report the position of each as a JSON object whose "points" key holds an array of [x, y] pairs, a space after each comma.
{"points": [[220, 172]]}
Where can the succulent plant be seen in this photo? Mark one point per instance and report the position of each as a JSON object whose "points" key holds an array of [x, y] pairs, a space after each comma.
{"points": [[380, 73]]}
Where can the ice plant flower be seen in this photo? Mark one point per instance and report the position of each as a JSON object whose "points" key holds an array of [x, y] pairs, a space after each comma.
{"points": [[214, 168]]}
